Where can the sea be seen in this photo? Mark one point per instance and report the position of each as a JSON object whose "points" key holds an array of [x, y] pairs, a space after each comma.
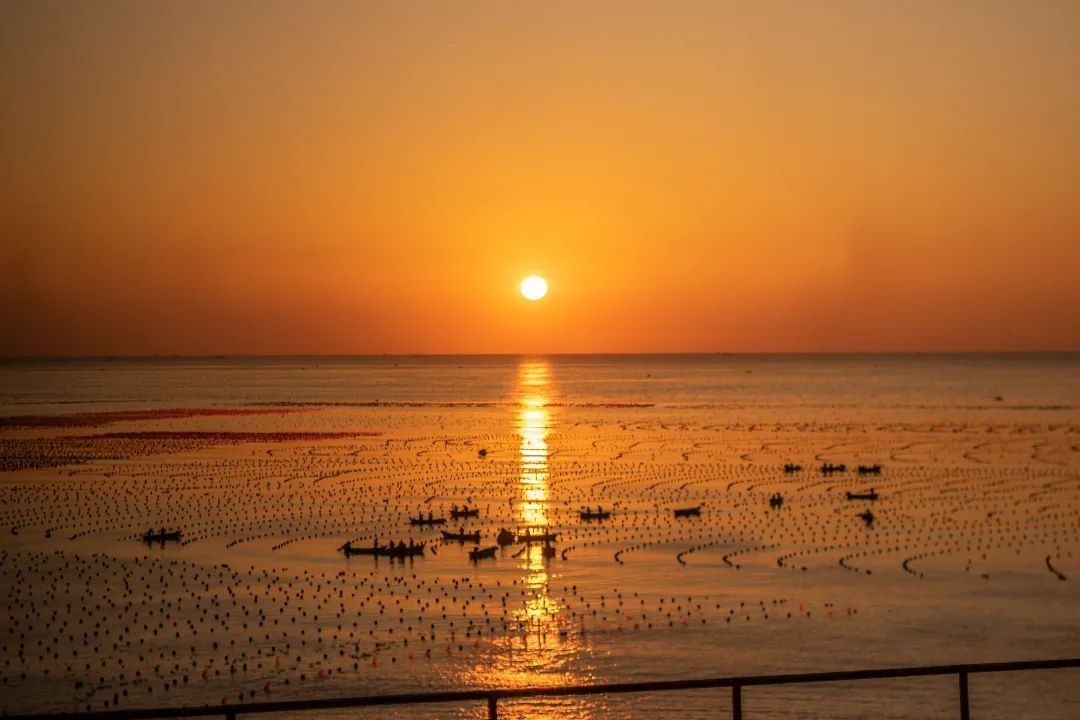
{"points": [[852, 512]]}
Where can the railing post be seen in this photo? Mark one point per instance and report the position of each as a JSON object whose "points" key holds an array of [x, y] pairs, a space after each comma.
{"points": [[965, 708], [736, 702], [493, 708]]}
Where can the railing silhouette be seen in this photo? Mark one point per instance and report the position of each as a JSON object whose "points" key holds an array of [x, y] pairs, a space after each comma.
{"points": [[493, 696]]}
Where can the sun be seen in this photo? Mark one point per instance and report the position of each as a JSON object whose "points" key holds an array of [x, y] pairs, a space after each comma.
{"points": [[534, 287]]}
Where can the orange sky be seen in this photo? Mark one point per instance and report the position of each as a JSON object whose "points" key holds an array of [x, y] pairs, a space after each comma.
{"points": [[363, 177]]}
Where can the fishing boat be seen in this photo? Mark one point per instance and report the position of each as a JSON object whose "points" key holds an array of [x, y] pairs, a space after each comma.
{"points": [[872, 495], [597, 514], [161, 537], [465, 512], [461, 536], [397, 551], [349, 550], [427, 520], [688, 512], [482, 553], [505, 537], [532, 536]]}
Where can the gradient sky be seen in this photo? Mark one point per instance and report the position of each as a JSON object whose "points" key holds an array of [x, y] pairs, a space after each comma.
{"points": [[364, 177]]}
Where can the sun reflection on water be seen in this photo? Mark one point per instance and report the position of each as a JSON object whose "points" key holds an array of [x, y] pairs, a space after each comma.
{"points": [[539, 618], [543, 648]]}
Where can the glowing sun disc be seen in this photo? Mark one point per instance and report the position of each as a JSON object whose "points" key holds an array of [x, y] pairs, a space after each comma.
{"points": [[534, 287]]}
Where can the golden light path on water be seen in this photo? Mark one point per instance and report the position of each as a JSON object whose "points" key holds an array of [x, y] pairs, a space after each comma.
{"points": [[534, 419], [544, 649]]}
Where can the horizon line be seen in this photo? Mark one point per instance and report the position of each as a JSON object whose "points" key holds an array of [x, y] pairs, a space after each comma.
{"points": [[715, 353]]}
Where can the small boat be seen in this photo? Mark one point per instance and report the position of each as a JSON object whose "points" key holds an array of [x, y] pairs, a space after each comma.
{"points": [[537, 537], [407, 550], [465, 512], [548, 550], [397, 551], [829, 468], [792, 468], [688, 512], [776, 500], [872, 495], [427, 520], [161, 537], [483, 553], [874, 469], [505, 537], [598, 514], [461, 536]]}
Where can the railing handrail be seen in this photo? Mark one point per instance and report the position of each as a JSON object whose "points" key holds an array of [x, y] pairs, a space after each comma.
{"points": [[493, 695]]}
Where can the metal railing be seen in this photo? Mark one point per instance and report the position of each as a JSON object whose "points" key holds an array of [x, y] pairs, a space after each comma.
{"points": [[493, 696]]}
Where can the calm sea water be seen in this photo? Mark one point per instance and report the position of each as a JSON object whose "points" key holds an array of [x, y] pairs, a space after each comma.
{"points": [[972, 555], [961, 381]]}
